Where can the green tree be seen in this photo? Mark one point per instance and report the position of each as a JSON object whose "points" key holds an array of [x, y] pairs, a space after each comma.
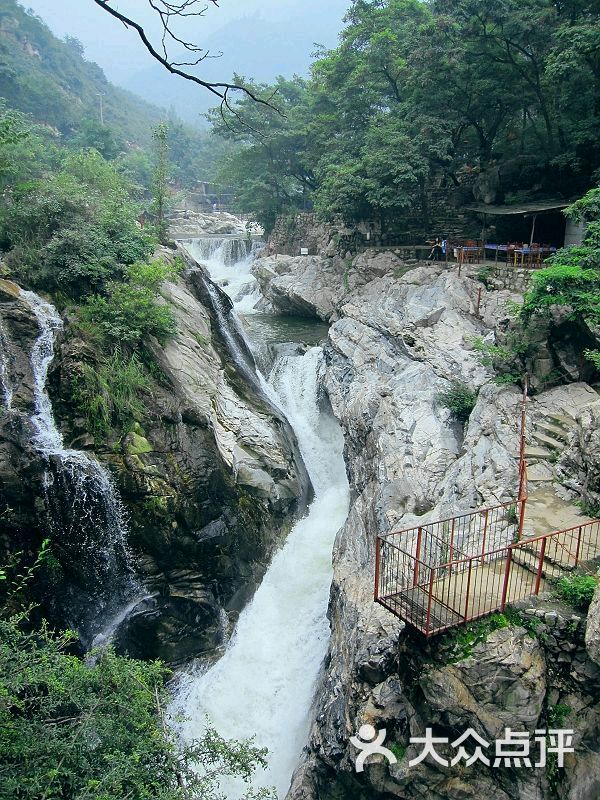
{"points": [[272, 170], [160, 182], [74, 730], [91, 132], [74, 229], [130, 311], [572, 277]]}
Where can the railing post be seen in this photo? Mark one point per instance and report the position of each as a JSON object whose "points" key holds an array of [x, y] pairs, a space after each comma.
{"points": [[468, 589], [432, 573], [485, 528], [523, 502], [418, 556], [377, 566], [577, 551], [506, 579], [538, 577], [451, 547]]}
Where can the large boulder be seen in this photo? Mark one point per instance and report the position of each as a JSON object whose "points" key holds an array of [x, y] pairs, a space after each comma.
{"points": [[592, 631]]}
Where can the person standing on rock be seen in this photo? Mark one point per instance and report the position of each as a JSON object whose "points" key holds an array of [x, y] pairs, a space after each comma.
{"points": [[436, 250]]}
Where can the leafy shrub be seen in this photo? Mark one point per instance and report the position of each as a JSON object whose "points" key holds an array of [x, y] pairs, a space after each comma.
{"points": [[589, 509], [73, 231], [465, 639], [573, 276], [80, 729], [593, 356], [460, 399], [506, 359], [557, 715], [485, 276], [577, 590], [109, 394], [569, 281], [131, 311]]}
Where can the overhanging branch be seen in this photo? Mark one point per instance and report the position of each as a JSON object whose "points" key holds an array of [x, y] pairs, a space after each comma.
{"points": [[184, 8]]}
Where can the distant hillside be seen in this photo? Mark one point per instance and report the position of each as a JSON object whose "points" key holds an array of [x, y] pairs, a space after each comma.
{"points": [[254, 46], [49, 79]]}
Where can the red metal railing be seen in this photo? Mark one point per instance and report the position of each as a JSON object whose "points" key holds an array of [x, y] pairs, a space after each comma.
{"points": [[433, 592], [444, 573]]}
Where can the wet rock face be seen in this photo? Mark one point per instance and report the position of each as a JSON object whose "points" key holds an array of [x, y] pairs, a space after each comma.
{"points": [[397, 340], [579, 464], [210, 479]]}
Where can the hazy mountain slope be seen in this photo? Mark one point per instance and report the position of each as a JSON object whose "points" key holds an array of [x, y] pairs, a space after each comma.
{"points": [[50, 80], [251, 46]]}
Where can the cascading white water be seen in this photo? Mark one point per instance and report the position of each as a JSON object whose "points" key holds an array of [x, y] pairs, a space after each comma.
{"points": [[84, 506], [5, 378], [229, 262], [263, 686], [48, 438]]}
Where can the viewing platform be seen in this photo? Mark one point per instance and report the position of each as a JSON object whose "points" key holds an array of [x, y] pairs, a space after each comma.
{"points": [[453, 571], [445, 573]]}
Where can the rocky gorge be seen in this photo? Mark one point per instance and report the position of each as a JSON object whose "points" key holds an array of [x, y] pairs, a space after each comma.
{"points": [[400, 333], [212, 478]]}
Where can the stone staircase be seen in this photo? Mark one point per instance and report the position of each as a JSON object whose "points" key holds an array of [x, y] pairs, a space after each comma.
{"points": [[549, 505], [550, 434]]}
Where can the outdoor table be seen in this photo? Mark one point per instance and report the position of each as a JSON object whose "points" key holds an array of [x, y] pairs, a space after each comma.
{"points": [[524, 251], [466, 249], [498, 248]]}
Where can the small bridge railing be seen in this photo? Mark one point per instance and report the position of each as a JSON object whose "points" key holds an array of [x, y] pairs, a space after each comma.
{"points": [[446, 573]]}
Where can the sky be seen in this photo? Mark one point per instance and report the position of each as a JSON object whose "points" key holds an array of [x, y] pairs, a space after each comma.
{"points": [[258, 38]]}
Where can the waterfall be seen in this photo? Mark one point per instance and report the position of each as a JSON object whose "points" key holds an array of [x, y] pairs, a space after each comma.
{"points": [[48, 439], [263, 686], [5, 372], [229, 262], [86, 516]]}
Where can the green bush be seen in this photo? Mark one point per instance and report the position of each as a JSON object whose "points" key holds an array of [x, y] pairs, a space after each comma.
{"points": [[73, 231], [506, 359], [77, 730], [131, 312], [577, 590], [572, 277], [485, 275], [110, 394], [460, 399]]}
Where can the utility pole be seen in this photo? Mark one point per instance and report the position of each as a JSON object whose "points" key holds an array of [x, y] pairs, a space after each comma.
{"points": [[101, 96]]}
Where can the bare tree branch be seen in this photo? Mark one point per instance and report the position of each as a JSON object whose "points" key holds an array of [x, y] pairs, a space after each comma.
{"points": [[166, 10]]}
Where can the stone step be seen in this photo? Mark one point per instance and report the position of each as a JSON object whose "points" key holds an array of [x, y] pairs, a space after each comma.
{"points": [[528, 559], [551, 429], [548, 441], [540, 472], [539, 453], [562, 420]]}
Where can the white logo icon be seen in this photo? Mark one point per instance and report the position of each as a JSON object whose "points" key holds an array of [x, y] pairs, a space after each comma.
{"points": [[370, 742]]}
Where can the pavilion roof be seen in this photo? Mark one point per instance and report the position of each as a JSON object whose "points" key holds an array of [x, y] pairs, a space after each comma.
{"points": [[522, 209]]}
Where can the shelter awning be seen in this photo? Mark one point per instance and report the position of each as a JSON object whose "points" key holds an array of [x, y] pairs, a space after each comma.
{"points": [[521, 209]]}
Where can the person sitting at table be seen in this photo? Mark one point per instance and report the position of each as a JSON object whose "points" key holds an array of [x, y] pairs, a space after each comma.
{"points": [[436, 250]]}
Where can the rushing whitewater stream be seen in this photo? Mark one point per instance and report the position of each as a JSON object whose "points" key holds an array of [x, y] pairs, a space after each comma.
{"points": [[263, 686], [85, 514]]}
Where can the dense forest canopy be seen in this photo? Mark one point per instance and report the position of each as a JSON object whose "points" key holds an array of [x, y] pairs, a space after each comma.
{"points": [[74, 105], [426, 93], [417, 95]]}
